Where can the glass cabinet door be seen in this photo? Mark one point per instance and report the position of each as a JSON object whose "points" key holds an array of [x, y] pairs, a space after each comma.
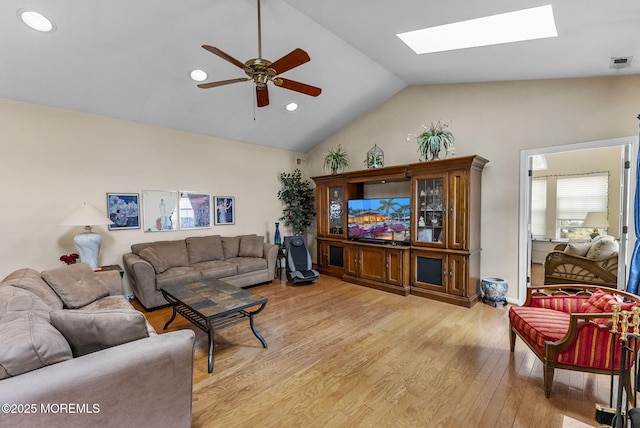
{"points": [[336, 210], [431, 211]]}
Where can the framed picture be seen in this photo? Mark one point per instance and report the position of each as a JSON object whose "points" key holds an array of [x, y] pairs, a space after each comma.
{"points": [[160, 210], [124, 210], [225, 210], [194, 210]]}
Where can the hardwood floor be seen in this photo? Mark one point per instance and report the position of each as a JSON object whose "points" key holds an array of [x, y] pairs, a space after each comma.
{"points": [[342, 355]]}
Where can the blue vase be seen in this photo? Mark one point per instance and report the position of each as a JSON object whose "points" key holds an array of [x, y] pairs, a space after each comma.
{"points": [[276, 237], [494, 290]]}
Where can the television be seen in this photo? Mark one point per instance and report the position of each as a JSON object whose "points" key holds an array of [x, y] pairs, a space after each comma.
{"points": [[382, 220]]}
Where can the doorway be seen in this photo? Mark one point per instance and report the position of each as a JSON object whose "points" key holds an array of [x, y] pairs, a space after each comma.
{"points": [[628, 147]]}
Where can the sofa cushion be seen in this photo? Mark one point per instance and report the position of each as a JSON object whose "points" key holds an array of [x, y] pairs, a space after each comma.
{"points": [[204, 248], [76, 284], [230, 246], [175, 252], [539, 325], [216, 269], [248, 264], [177, 275], [31, 280], [159, 263], [251, 246], [602, 247], [597, 302], [28, 340], [91, 331], [578, 248]]}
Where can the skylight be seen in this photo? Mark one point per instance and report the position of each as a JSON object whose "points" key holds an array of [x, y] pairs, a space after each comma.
{"points": [[527, 24]]}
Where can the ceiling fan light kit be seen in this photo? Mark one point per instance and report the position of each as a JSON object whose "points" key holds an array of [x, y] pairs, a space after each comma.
{"points": [[262, 71]]}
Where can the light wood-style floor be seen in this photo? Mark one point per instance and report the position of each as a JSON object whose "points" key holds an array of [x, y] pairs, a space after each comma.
{"points": [[343, 355]]}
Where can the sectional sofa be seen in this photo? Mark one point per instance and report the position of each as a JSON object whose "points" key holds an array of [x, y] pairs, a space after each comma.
{"points": [[239, 260]]}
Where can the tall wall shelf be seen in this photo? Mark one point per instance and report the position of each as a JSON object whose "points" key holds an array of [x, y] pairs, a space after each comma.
{"points": [[443, 260]]}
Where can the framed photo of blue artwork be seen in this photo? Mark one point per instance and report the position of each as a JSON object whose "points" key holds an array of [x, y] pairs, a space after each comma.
{"points": [[123, 210], [195, 210], [225, 210]]}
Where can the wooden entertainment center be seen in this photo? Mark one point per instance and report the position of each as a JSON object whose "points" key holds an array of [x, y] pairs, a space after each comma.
{"points": [[442, 259]]}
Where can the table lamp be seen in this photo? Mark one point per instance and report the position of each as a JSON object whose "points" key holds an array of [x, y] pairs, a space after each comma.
{"points": [[596, 220], [87, 243]]}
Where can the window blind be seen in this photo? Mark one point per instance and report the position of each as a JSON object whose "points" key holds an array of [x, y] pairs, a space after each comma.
{"points": [[538, 207], [577, 195]]}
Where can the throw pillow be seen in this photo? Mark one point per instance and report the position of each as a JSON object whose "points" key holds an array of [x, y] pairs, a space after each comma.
{"points": [[159, 263], [204, 248], [251, 246], [77, 285], [578, 248], [230, 246], [603, 248], [28, 339], [597, 302], [91, 331]]}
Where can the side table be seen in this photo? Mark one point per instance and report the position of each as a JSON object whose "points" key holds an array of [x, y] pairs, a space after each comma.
{"points": [[280, 261], [113, 267]]}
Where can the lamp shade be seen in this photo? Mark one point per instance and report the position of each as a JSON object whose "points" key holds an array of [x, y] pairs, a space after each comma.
{"points": [[85, 215], [596, 219]]}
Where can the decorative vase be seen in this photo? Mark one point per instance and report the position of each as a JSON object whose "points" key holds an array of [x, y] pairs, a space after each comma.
{"points": [[494, 290], [276, 236]]}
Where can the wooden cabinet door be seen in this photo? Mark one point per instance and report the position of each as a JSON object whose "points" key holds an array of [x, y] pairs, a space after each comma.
{"points": [[457, 270], [351, 260], [429, 270], [458, 219], [395, 266], [323, 255], [372, 263]]}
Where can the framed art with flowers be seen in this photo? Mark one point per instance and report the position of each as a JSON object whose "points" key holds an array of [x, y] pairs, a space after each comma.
{"points": [[124, 210]]}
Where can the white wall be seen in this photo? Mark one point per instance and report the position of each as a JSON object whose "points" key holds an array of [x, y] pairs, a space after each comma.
{"points": [[496, 121], [54, 160]]}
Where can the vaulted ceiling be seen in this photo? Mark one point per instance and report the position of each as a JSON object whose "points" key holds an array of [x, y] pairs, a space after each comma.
{"points": [[131, 59]]}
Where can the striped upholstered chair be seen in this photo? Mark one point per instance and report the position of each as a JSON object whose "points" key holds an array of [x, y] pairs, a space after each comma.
{"points": [[568, 327]]}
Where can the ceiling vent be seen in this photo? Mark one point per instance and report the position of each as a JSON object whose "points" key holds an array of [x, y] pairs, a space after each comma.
{"points": [[620, 62]]}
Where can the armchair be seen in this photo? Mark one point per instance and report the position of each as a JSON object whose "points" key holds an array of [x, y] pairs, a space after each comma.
{"points": [[561, 267], [568, 327]]}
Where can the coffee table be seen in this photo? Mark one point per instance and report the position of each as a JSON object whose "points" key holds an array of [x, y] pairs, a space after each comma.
{"points": [[212, 305]]}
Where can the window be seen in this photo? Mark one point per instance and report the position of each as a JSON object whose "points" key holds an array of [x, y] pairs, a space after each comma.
{"points": [[538, 207], [576, 196]]}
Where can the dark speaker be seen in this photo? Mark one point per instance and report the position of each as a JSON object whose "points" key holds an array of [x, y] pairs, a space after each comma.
{"points": [[336, 256], [429, 270]]}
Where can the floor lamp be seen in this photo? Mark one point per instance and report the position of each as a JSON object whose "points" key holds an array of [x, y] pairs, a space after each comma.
{"points": [[87, 243]]}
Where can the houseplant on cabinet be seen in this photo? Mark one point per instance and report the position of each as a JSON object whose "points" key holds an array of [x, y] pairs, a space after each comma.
{"points": [[298, 198], [336, 159], [433, 139]]}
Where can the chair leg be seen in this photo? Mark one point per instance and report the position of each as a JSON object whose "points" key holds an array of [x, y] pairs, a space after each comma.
{"points": [[512, 338], [548, 371]]}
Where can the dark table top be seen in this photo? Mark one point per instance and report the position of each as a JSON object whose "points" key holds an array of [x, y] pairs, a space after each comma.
{"points": [[214, 298]]}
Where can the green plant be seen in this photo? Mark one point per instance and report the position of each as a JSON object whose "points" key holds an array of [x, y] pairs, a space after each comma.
{"points": [[336, 159], [431, 140], [298, 198]]}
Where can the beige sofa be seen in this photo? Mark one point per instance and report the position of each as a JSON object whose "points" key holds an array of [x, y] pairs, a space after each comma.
{"points": [[240, 260], [74, 352]]}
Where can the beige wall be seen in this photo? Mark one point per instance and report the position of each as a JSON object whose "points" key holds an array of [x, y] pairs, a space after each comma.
{"points": [[54, 160], [495, 121]]}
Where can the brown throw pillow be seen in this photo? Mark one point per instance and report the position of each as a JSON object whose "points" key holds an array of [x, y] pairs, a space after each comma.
{"points": [[91, 331], [251, 246], [230, 246], [204, 248], [77, 285], [159, 263]]}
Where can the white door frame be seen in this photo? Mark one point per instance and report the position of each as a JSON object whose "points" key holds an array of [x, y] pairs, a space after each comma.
{"points": [[630, 145]]}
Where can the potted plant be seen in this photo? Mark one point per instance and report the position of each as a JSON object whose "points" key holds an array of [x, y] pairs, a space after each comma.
{"points": [[336, 159], [298, 198], [431, 141]]}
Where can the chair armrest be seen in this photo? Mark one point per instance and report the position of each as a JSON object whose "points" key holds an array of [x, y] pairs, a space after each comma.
{"points": [[112, 281], [270, 252], [142, 276]]}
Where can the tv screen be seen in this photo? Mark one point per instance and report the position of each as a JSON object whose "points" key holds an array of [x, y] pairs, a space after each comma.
{"points": [[379, 219]]}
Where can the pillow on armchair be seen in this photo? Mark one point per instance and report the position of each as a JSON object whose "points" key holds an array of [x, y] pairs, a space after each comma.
{"points": [[602, 247]]}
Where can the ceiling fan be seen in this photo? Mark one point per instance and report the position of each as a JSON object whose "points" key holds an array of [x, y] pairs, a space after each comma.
{"points": [[262, 71]]}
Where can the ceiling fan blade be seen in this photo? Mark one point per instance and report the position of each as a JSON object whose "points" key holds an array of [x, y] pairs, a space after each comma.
{"points": [[225, 56], [222, 82], [291, 60], [262, 96], [297, 86]]}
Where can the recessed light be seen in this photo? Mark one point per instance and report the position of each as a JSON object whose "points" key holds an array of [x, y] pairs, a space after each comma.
{"points": [[527, 24], [291, 107], [36, 21], [198, 75]]}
